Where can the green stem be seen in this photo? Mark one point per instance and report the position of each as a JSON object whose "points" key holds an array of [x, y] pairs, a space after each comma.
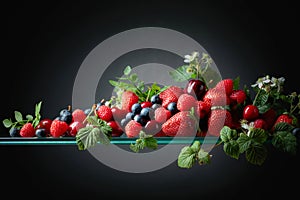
{"points": [[254, 101]]}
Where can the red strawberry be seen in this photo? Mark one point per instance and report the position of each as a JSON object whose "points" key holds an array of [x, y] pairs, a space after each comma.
{"points": [[180, 124], [286, 118], [202, 109], [160, 134], [250, 112], [260, 123], [78, 115], [186, 102], [237, 96], [217, 120], [104, 113], [128, 99], [161, 114], [27, 130], [216, 97], [133, 128], [225, 84], [58, 128], [269, 117], [170, 95]]}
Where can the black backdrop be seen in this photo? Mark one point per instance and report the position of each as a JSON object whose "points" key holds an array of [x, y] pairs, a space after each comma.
{"points": [[45, 44]]}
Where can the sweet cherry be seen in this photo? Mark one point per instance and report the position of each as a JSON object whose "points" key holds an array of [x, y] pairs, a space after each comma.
{"points": [[250, 112], [196, 88]]}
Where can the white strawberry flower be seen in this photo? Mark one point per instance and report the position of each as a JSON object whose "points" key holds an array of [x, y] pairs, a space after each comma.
{"points": [[191, 58]]}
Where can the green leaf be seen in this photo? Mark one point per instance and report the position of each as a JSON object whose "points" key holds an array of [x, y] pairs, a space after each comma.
{"points": [[87, 137], [133, 78], [283, 126], [113, 83], [138, 145], [244, 142], [151, 142], [195, 146], [225, 131], [285, 141], [7, 123], [186, 158], [127, 70], [258, 135], [256, 154], [180, 74], [29, 117], [232, 149], [18, 116], [236, 83], [203, 157], [38, 108]]}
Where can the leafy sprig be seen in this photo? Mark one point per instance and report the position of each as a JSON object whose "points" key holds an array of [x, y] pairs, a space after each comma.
{"points": [[144, 141], [20, 120]]}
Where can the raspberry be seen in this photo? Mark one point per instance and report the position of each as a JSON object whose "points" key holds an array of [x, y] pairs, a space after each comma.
{"points": [[128, 99], [105, 113], [161, 115], [58, 128], [27, 130], [133, 128], [186, 102], [78, 115]]}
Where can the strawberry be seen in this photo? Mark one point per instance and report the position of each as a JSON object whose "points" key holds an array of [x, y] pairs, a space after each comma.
{"points": [[161, 114], [217, 120], [186, 102], [216, 97], [269, 117], [202, 109], [78, 115], [286, 118], [58, 128], [170, 95], [180, 124], [133, 128], [27, 130], [104, 112], [225, 84], [128, 99], [237, 96], [260, 123], [152, 127]]}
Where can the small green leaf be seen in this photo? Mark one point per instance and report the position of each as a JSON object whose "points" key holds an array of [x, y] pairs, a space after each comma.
{"points": [[133, 78], [195, 146], [258, 135], [186, 158], [29, 117], [232, 149], [7, 123], [180, 74], [203, 157], [38, 108], [244, 142], [285, 141], [224, 133], [18, 116], [113, 83], [256, 154], [282, 126], [236, 83], [151, 142], [87, 137], [127, 70]]}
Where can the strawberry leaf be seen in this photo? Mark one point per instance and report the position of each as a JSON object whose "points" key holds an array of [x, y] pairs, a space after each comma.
{"points": [[285, 141], [232, 149], [256, 153], [186, 158]]}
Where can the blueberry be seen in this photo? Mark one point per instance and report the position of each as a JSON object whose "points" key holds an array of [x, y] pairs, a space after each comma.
{"points": [[124, 122], [136, 108], [14, 132], [155, 106], [140, 119], [129, 116], [172, 107], [41, 132], [296, 132], [66, 118], [155, 99], [87, 111]]}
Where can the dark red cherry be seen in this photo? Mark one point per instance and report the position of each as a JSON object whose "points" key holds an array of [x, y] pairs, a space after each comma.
{"points": [[196, 88], [44, 124]]}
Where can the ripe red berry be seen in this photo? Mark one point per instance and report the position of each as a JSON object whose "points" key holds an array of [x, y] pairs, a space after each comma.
{"points": [[238, 96], [195, 88], [74, 128], [186, 102], [116, 128], [128, 99], [118, 114], [58, 128], [146, 104], [133, 128], [260, 123], [45, 124], [152, 127], [161, 114], [225, 84], [202, 109], [78, 115], [250, 112], [217, 120], [27, 130], [104, 112]]}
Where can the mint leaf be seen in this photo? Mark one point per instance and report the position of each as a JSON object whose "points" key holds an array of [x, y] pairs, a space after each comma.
{"points": [[285, 141], [151, 142], [180, 74], [195, 146], [139, 145], [203, 157], [127, 70], [225, 131], [186, 158], [18, 116], [256, 153], [7, 123], [232, 149], [144, 141], [87, 137]]}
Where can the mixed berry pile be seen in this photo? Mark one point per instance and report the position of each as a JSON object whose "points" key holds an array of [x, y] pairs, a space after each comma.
{"points": [[216, 108]]}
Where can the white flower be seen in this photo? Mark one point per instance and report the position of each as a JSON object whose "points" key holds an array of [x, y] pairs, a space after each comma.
{"points": [[191, 58], [265, 83]]}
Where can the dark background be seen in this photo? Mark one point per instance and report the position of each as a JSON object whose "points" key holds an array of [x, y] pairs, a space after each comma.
{"points": [[45, 44]]}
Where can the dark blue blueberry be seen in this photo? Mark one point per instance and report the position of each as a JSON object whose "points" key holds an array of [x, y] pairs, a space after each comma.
{"points": [[145, 113], [136, 108], [155, 99], [41, 132], [14, 132], [155, 106], [129, 116], [140, 119], [68, 118], [172, 107], [296, 132]]}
